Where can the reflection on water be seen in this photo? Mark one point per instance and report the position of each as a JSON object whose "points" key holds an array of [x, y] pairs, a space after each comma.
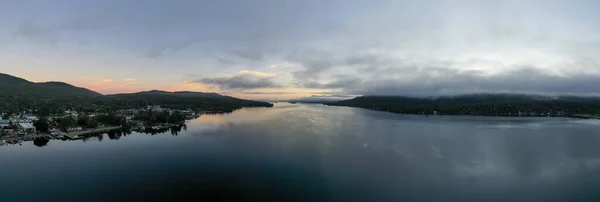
{"points": [[112, 135], [318, 153]]}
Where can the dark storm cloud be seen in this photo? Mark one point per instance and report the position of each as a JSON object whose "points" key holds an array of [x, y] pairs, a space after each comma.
{"points": [[382, 75], [313, 68], [241, 82], [315, 63]]}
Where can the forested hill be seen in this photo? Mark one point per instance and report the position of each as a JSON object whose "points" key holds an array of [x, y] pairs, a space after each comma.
{"points": [[184, 99], [11, 86], [480, 104], [17, 95]]}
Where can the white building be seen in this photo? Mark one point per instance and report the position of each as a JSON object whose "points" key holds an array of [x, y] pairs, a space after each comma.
{"points": [[31, 118], [155, 108], [71, 113], [27, 127], [74, 129]]}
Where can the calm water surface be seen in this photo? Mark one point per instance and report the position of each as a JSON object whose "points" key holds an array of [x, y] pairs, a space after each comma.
{"points": [[318, 153]]}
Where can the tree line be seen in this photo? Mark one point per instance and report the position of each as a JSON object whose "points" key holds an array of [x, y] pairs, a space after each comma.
{"points": [[43, 124], [156, 117]]}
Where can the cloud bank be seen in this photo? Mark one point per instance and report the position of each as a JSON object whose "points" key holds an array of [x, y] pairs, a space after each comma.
{"points": [[244, 80], [339, 46]]}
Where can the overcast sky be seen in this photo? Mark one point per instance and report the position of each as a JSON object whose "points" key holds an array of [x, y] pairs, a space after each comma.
{"points": [[298, 48]]}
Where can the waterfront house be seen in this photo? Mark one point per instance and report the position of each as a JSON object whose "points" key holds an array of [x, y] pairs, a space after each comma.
{"points": [[4, 123], [71, 113], [31, 118], [10, 131], [155, 108], [27, 127]]}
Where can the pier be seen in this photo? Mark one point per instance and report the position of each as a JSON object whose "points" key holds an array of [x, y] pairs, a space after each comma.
{"points": [[80, 134]]}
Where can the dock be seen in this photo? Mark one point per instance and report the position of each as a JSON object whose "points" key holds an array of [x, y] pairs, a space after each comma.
{"points": [[80, 134]]}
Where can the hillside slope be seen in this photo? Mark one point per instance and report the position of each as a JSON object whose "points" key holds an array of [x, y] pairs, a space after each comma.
{"points": [[11, 86], [184, 99], [480, 104], [17, 95]]}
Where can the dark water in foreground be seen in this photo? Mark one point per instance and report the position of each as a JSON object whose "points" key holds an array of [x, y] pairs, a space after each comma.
{"points": [[318, 153]]}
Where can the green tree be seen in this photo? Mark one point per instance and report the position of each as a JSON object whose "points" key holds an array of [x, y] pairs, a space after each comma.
{"points": [[92, 124], [42, 125], [82, 120], [66, 122], [45, 111], [109, 119]]}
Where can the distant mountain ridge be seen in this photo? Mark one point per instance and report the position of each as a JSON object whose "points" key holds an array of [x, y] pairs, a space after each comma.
{"points": [[14, 86], [187, 99], [480, 104], [17, 94], [159, 92]]}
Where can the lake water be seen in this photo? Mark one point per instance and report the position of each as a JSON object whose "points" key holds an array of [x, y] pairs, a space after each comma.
{"points": [[295, 152]]}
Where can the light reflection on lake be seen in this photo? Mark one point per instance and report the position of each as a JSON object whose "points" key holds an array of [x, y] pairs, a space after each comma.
{"points": [[318, 153]]}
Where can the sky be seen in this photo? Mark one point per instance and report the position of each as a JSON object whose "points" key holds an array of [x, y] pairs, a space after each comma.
{"points": [[282, 49]]}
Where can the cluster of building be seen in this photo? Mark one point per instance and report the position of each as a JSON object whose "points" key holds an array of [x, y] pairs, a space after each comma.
{"points": [[494, 112], [130, 113], [19, 124], [17, 127]]}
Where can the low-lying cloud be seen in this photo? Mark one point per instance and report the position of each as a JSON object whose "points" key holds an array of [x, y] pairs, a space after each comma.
{"points": [[452, 82]]}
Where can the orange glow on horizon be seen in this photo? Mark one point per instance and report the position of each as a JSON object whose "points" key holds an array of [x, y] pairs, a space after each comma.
{"points": [[109, 86], [132, 85]]}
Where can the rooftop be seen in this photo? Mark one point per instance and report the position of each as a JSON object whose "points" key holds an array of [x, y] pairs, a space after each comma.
{"points": [[26, 125]]}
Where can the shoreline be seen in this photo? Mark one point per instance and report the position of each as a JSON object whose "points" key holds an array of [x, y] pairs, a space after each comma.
{"points": [[574, 116], [584, 116], [76, 134], [72, 136]]}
